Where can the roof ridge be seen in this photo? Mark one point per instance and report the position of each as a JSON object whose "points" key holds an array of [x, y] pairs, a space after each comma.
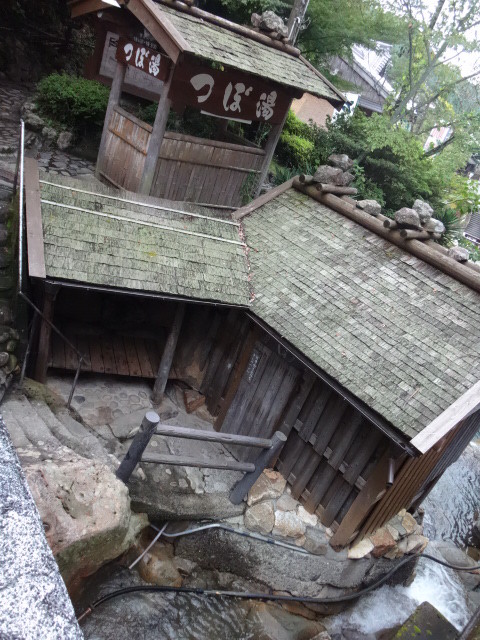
{"points": [[467, 273]]}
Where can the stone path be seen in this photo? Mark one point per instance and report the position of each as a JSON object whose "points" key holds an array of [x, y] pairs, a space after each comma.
{"points": [[64, 164], [12, 98]]}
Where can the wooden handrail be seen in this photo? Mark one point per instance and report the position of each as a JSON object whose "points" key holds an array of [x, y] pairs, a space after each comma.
{"points": [[211, 436]]}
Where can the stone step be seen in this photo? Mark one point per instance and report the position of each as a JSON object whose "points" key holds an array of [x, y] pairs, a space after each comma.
{"points": [[32, 424], [19, 439], [92, 447], [57, 428]]}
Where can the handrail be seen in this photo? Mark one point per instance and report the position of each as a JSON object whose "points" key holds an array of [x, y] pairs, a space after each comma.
{"points": [[80, 356], [19, 171]]}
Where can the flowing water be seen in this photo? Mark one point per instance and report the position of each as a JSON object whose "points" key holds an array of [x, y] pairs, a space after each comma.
{"points": [[449, 513]]}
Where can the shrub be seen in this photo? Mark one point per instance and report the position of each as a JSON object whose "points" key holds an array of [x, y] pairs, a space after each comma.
{"points": [[295, 151], [72, 101]]}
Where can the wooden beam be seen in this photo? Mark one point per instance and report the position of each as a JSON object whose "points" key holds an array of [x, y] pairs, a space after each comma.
{"points": [[446, 421], [113, 100], [33, 215], [156, 137], [138, 446], [167, 355], [201, 463], [161, 28], [371, 493], [270, 146], [211, 436], [263, 199], [41, 365]]}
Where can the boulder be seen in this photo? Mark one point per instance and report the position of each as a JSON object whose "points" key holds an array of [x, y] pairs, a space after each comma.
{"points": [[459, 254], [270, 485], [286, 503], [85, 511], [288, 525], [260, 517], [65, 140], [316, 541], [159, 566], [407, 218], [34, 122], [269, 21], [329, 175], [309, 518], [361, 549], [50, 134], [340, 160], [409, 523], [383, 542], [370, 206], [424, 210], [434, 226]]}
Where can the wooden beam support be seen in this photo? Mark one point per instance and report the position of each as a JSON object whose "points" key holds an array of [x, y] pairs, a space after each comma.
{"points": [[270, 146], [167, 356], [156, 137], [41, 365], [211, 436], [138, 446], [113, 101]]}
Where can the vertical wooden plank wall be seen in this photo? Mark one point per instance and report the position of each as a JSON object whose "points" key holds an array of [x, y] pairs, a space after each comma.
{"points": [[188, 169]]}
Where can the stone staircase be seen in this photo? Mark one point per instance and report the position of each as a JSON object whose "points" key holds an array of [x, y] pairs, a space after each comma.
{"points": [[33, 424]]}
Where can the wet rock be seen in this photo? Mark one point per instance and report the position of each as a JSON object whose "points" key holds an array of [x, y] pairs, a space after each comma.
{"points": [[340, 160], [370, 206], [65, 140], [424, 210], [309, 518], [383, 542], [459, 254], [4, 358], [269, 485], [425, 623], [193, 400], [409, 523], [11, 346], [288, 525], [273, 623], [85, 510], [260, 517], [159, 566], [361, 549], [286, 503], [316, 541], [455, 556], [407, 218], [434, 226]]}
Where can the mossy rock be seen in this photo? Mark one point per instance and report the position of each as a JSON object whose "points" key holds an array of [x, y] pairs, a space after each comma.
{"points": [[37, 391], [426, 623]]}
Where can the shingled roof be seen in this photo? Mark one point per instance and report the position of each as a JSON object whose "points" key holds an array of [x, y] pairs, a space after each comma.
{"points": [[118, 239], [218, 44], [397, 333]]}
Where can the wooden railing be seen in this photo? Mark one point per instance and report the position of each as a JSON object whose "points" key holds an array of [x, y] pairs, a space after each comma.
{"points": [[191, 169], [270, 448]]}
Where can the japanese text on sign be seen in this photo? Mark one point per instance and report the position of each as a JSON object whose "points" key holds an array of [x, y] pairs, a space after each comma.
{"points": [[142, 58]]}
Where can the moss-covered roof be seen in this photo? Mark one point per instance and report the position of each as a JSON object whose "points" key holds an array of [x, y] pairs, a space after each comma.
{"points": [[217, 44], [102, 239], [397, 333]]}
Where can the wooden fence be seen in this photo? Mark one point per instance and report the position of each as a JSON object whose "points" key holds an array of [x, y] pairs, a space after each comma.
{"points": [[189, 169]]}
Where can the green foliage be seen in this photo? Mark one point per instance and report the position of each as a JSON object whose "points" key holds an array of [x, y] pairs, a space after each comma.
{"points": [[473, 248], [295, 151], [453, 225], [241, 10], [72, 101]]}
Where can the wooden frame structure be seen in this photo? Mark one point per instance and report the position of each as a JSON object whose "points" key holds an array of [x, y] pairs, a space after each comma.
{"points": [[136, 156]]}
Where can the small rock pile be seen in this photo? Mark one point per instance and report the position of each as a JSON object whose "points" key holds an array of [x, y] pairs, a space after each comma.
{"points": [[401, 535], [47, 135], [271, 24]]}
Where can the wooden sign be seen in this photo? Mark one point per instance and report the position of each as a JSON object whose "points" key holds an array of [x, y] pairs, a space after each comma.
{"points": [[228, 94], [142, 58]]}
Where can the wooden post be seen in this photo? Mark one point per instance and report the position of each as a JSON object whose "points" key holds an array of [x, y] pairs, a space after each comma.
{"points": [[41, 365], [156, 137], [241, 489], [270, 147], [167, 355], [113, 100], [138, 446]]}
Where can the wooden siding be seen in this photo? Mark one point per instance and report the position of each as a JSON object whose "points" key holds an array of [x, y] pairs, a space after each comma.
{"points": [[188, 169]]}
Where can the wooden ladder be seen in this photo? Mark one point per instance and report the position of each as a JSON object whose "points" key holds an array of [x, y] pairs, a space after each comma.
{"points": [[269, 450]]}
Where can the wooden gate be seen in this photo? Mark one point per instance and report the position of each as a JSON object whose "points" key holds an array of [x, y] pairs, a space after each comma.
{"points": [[190, 169]]}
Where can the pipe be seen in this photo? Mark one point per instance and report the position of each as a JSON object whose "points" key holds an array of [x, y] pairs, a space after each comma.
{"points": [[20, 206], [245, 534], [145, 551], [391, 472], [267, 597]]}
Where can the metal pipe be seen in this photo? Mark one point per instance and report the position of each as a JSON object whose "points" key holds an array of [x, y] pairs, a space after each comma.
{"points": [[391, 472], [33, 330], [20, 206], [157, 537], [75, 380], [245, 534]]}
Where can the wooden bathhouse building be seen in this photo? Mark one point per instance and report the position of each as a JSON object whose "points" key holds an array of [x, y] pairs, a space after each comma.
{"points": [[299, 313], [181, 56]]}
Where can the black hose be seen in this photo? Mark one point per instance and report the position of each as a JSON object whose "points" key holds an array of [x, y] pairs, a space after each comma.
{"points": [[215, 593]]}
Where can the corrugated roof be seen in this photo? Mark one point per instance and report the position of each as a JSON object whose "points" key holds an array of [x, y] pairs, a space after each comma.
{"points": [[397, 333], [215, 43], [472, 230], [100, 239]]}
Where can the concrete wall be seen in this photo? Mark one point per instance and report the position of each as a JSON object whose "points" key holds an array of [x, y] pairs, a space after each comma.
{"points": [[312, 108]]}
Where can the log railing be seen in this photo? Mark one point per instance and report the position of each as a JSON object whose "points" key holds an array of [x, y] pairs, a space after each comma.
{"points": [[270, 448]]}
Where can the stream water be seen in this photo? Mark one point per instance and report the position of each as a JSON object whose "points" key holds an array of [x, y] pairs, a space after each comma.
{"points": [[449, 513]]}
